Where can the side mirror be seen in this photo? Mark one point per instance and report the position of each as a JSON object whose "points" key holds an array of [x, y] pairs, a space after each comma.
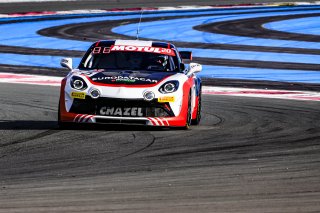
{"points": [[67, 63], [194, 68], [186, 55]]}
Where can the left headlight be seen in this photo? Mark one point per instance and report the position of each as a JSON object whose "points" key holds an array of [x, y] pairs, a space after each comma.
{"points": [[78, 83], [169, 87]]}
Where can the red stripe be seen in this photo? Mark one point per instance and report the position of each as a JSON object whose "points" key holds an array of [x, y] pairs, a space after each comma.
{"points": [[151, 121], [81, 118], [88, 118]]}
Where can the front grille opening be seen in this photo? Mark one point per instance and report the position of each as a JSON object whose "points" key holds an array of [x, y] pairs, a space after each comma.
{"points": [[93, 107]]}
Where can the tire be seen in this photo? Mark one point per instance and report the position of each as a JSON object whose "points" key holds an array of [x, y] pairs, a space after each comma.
{"points": [[60, 123], [189, 113], [197, 120]]}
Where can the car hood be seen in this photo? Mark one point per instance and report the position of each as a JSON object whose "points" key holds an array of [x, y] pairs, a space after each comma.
{"points": [[128, 77]]}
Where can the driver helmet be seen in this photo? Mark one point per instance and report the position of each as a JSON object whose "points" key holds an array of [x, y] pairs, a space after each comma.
{"points": [[162, 60]]}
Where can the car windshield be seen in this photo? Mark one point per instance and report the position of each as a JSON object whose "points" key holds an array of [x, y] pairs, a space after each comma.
{"points": [[130, 60]]}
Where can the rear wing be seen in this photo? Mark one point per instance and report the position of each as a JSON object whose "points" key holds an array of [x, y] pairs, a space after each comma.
{"points": [[186, 55]]}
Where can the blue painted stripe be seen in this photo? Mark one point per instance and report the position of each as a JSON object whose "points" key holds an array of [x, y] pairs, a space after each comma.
{"points": [[53, 61], [260, 74], [24, 34], [182, 30], [310, 25], [256, 56], [165, 12], [178, 30], [33, 60], [208, 71]]}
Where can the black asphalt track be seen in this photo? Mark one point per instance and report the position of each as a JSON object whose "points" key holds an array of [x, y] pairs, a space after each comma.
{"points": [[247, 155]]}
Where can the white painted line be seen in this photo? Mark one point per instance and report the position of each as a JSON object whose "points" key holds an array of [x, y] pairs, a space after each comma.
{"points": [[263, 93], [30, 79]]}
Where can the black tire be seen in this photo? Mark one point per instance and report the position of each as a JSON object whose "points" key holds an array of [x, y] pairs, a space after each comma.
{"points": [[197, 120], [189, 113], [60, 124]]}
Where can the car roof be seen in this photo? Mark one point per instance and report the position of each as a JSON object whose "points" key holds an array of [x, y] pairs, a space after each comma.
{"points": [[109, 43]]}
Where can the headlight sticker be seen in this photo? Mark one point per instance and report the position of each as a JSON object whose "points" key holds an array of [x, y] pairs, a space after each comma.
{"points": [[166, 99], [79, 95]]}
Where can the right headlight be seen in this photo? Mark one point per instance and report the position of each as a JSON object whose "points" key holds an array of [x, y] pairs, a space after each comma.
{"points": [[78, 83], [169, 87]]}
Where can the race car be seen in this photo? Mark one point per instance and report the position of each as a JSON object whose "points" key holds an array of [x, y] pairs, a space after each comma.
{"points": [[131, 82]]}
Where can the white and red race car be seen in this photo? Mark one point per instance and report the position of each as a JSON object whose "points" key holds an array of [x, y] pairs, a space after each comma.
{"points": [[131, 82]]}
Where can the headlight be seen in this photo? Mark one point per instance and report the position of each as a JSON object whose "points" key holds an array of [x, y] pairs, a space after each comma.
{"points": [[169, 87], [78, 83], [95, 93], [148, 96]]}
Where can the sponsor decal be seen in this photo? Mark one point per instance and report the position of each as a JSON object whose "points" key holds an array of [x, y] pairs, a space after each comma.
{"points": [[166, 99], [126, 48], [79, 95], [119, 111], [127, 79]]}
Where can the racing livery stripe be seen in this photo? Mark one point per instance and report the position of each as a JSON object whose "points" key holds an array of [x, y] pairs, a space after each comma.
{"points": [[88, 118], [76, 118], [81, 118], [166, 121], [151, 121], [84, 119], [159, 119], [154, 121]]}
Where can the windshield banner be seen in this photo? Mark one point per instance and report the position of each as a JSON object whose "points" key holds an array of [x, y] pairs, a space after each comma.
{"points": [[159, 50]]}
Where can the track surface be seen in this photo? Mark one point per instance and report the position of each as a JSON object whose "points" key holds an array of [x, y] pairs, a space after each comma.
{"points": [[248, 154]]}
